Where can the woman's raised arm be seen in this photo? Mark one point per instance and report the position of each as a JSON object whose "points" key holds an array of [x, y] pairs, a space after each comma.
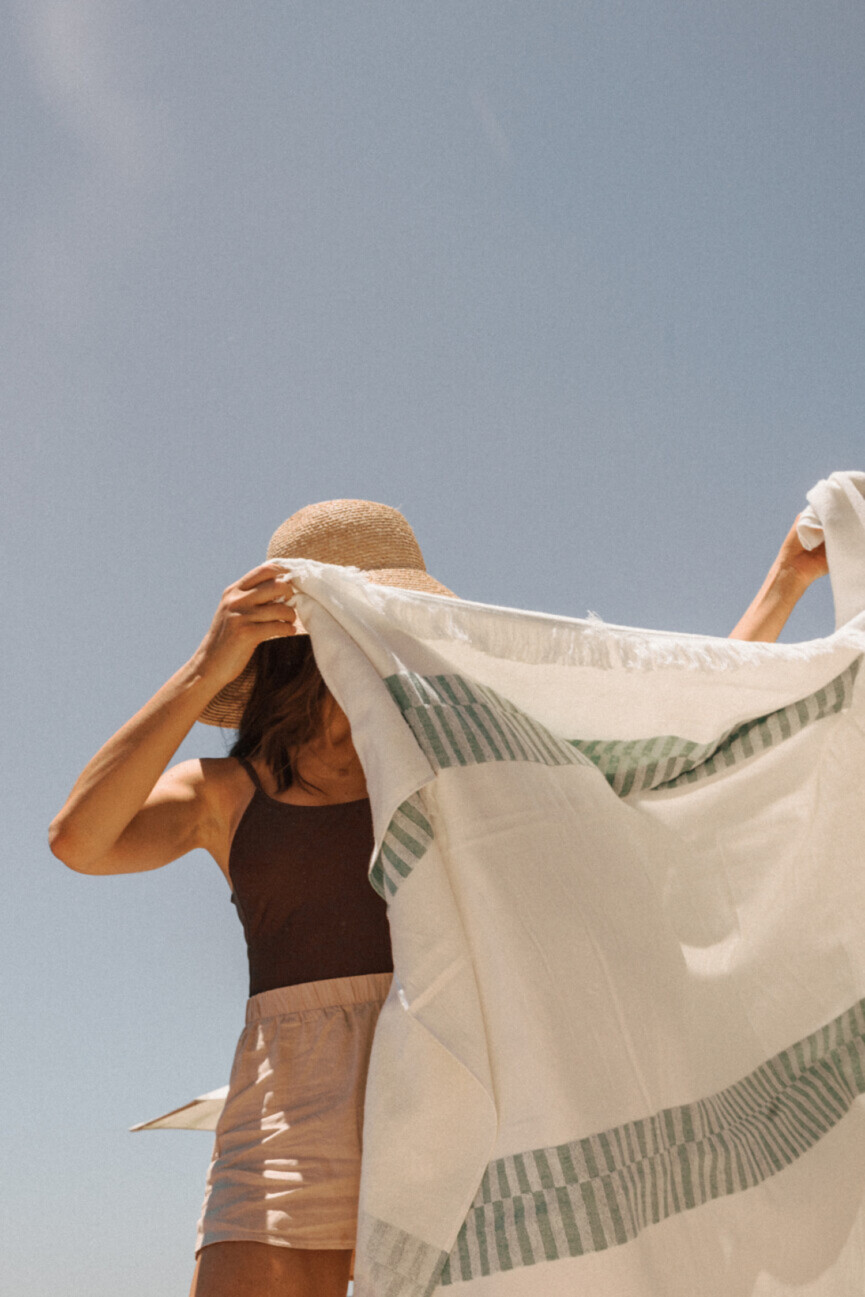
{"points": [[794, 569], [124, 814]]}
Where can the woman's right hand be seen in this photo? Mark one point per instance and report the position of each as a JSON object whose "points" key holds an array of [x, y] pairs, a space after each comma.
{"points": [[126, 812], [251, 610]]}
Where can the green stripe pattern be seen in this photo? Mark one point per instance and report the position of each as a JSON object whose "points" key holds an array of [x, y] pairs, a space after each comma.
{"points": [[458, 722], [601, 1191], [408, 836], [664, 762], [395, 1264]]}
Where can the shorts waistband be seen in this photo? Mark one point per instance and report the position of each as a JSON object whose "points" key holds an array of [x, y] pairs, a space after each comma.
{"points": [[366, 988]]}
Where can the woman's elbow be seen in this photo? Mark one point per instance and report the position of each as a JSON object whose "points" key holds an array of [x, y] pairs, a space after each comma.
{"points": [[63, 845]]}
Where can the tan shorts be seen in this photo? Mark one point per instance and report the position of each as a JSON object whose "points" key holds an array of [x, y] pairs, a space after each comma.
{"points": [[286, 1162]]}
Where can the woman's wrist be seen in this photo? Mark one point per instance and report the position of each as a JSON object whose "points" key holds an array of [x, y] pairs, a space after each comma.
{"points": [[788, 582], [768, 612], [204, 675]]}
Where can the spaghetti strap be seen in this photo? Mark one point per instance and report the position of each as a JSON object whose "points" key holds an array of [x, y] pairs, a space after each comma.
{"points": [[250, 770]]}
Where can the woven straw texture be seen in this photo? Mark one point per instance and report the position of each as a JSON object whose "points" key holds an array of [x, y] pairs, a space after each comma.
{"points": [[351, 533]]}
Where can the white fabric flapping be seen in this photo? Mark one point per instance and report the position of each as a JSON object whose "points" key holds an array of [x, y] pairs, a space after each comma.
{"points": [[625, 1043], [624, 1049]]}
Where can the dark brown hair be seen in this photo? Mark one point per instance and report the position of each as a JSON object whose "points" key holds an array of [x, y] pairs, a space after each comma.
{"points": [[285, 708]]}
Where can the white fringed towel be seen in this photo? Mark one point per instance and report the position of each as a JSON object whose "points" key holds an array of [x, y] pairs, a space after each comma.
{"points": [[625, 1046], [626, 879]]}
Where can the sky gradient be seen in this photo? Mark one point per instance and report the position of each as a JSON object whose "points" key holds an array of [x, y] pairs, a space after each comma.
{"points": [[578, 286]]}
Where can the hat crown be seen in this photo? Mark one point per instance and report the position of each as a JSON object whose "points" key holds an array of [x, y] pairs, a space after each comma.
{"points": [[350, 533]]}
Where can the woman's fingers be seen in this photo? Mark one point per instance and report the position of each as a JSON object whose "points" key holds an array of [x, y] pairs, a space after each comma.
{"points": [[267, 612], [251, 610], [272, 629], [274, 590], [264, 572]]}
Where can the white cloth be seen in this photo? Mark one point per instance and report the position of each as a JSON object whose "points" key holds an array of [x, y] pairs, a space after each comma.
{"points": [[201, 1113], [626, 1035], [625, 870]]}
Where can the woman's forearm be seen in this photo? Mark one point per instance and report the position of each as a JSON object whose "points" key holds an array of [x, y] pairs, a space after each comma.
{"points": [[766, 616], [794, 569]]}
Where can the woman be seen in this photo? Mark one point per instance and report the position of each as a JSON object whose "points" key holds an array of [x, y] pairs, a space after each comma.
{"points": [[286, 818]]}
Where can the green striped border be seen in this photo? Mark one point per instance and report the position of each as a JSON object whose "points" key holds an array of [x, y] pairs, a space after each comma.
{"points": [[408, 836], [458, 722], [601, 1191], [393, 1263], [664, 762]]}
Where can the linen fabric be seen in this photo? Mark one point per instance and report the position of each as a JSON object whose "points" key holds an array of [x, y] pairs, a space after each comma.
{"points": [[286, 1160], [836, 514], [625, 1042], [820, 499]]}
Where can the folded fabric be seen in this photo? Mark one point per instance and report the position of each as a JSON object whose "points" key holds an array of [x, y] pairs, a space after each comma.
{"points": [[836, 514], [820, 498]]}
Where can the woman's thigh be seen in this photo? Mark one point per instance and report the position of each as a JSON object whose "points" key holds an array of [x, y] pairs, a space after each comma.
{"points": [[266, 1270]]}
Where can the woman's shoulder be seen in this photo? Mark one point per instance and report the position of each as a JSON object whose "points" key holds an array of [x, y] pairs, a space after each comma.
{"points": [[218, 784]]}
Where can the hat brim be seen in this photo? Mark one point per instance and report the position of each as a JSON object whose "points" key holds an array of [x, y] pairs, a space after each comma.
{"points": [[226, 709], [409, 578]]}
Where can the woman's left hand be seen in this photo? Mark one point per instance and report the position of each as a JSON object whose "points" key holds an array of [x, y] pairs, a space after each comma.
{"points": [[794, 569], [807, 564]]}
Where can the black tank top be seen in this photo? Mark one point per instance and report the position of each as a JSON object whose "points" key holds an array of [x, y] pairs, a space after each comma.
{"points": [[299, 880]]}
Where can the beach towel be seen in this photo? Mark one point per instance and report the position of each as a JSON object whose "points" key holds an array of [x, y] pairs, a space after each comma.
{"points": [[624, 1049]]}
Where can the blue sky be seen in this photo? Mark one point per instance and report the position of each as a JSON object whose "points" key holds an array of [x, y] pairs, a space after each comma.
{"points": [[578, 286]]}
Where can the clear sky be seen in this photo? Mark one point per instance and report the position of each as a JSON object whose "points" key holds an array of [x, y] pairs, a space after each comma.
{"points": [[577, 285]]}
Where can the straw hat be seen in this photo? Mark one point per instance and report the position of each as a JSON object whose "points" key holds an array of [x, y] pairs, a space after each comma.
{"points": [[350, 533]]}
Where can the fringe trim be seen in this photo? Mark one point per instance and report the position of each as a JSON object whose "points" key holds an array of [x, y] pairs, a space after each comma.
{"points": [[545, 639]]}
